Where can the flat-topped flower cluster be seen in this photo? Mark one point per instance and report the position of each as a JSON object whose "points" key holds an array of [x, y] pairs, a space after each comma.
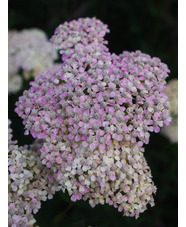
{"points": [[172, 92], [29, 182], [95, 114], [29, 53]]}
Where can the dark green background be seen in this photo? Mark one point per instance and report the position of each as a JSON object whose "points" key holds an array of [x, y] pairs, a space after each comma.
{"points": [[148, 25]]}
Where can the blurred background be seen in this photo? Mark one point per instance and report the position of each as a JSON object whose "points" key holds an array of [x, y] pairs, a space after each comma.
{"points": [[146, 25]]}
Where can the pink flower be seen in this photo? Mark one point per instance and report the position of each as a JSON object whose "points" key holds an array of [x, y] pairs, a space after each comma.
{"points": [[112, 177], [102, 147], [85, 144]]}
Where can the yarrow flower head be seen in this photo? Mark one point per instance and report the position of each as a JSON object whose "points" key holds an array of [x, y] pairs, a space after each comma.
{"points": [[29, 183], [29, 51], [94, 116], [172, 92], [14, 83]]}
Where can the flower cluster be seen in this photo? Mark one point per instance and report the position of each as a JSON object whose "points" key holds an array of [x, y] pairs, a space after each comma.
{"points": [[118, 176], [14, 83], [172, 92], [29, 182], [94, 116], [29, 53]]}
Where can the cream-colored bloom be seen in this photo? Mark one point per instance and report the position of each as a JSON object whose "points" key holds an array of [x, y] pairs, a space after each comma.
{"points": [[171, 131]]}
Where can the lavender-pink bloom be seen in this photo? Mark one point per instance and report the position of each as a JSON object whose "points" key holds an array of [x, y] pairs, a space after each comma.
{"points": [[30, 182], [94, 115]]}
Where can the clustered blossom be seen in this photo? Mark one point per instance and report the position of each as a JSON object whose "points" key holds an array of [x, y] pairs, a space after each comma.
{"points": [[29, 183], [14, 83], [119, 176], [95, 114], [29, 53], [172, 92]]}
